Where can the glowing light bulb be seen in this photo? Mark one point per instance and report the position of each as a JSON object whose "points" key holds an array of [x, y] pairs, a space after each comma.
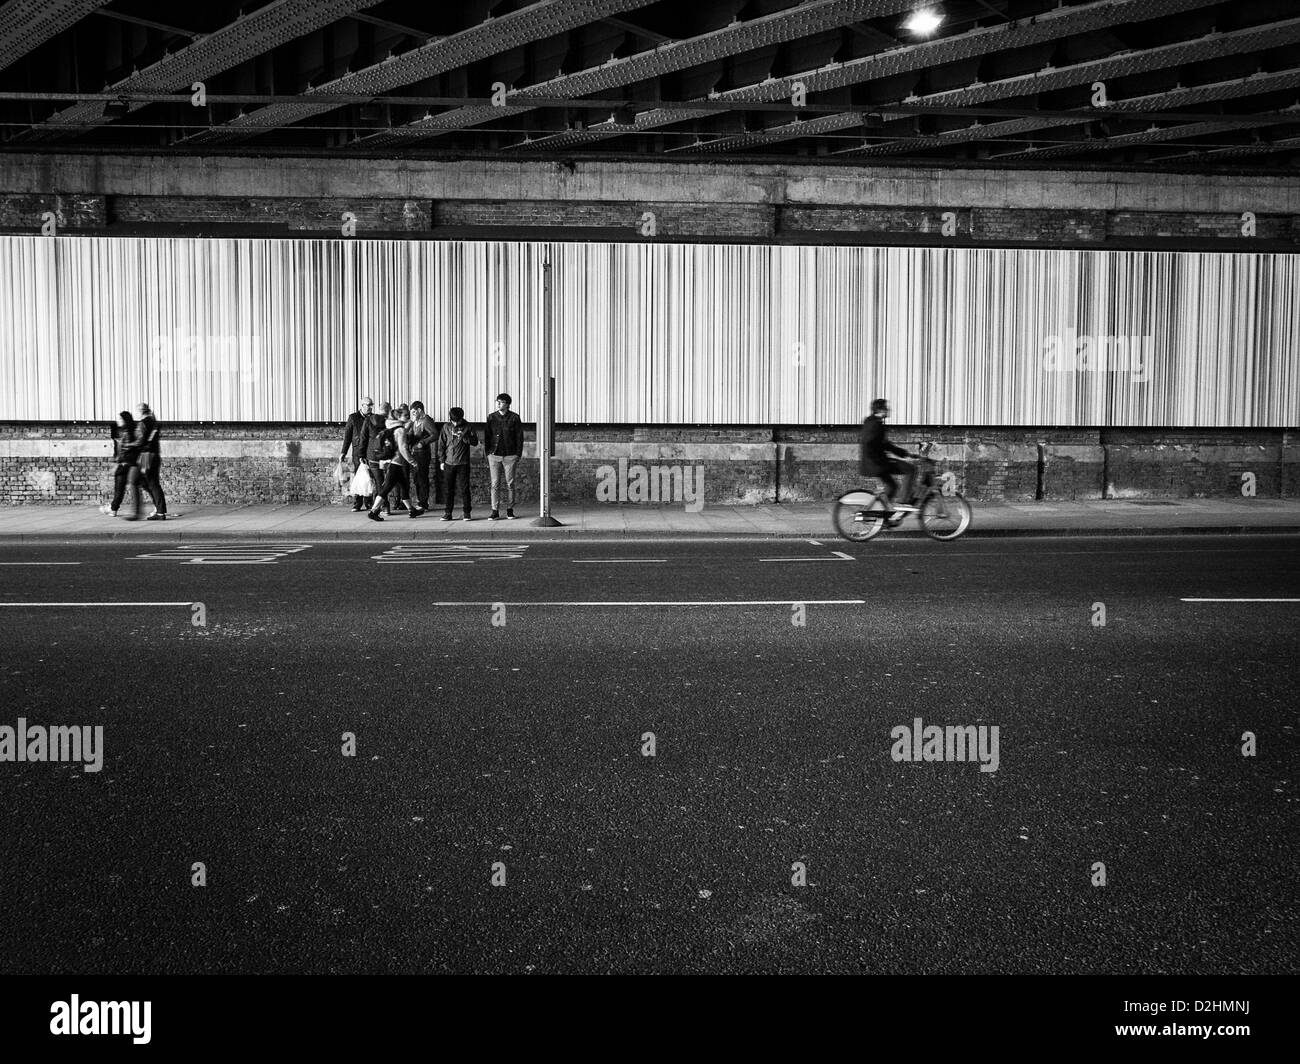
{"points": [[923, 22]]}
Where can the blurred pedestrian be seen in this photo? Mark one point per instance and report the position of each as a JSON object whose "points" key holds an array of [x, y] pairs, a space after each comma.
{"points": [[126, 471], [148, 436]]}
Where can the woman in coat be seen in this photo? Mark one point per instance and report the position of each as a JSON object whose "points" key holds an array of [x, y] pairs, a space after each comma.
{"points": [[126, 472]]}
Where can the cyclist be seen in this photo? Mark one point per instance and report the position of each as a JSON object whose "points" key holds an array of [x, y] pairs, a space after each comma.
{"points": [[875, 460]]}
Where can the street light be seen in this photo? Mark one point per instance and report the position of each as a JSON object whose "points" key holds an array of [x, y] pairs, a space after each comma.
{"points": [[923, 22]]}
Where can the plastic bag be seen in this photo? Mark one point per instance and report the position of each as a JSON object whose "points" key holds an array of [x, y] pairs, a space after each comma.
{"points": [[361, 482], [342, 475]]}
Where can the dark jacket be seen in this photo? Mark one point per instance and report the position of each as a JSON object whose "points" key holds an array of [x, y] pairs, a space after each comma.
{"points": [[421, 434], [454, 443], [396, 429], [147, 435], [874, 457], [504, 434], [376, 441], [352, 435], [126, 451]]}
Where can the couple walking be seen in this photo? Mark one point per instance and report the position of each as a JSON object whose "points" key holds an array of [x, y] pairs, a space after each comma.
{"points": [[137, 457]]}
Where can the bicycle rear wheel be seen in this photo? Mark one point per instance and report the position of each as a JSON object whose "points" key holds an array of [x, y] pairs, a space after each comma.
{"points": [[944, 516], [858, 515]]}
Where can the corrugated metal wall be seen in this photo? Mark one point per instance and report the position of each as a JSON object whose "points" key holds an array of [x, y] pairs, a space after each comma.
{"points": [[287, 330]]}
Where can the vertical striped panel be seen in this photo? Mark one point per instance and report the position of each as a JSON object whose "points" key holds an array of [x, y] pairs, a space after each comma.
{"points": [[297, 330]]}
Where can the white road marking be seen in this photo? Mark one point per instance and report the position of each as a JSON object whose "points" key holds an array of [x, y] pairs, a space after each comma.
{"points": [[841, 554], [1240, 600], [450, 554], [33, 604], [615, 561], [815, 542], [713, 602], [226, 553], [842, 558]]}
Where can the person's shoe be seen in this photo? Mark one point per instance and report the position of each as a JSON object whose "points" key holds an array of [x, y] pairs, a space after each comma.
{"points": [[445, 517], [106, 509], [156, 517], [467, 518], [510, 513], [494, 516], [356, 509], [415, 513], [373, 515]]}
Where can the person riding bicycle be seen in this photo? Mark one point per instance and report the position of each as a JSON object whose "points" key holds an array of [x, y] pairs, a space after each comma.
{"points": [[875, 460]]}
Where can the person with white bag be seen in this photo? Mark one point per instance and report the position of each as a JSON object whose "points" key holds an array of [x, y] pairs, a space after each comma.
{"points": [[352, 442]]}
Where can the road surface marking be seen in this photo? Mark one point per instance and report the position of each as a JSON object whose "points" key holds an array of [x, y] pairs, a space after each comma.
{"points": [[449, 553], [841, 558], [1240, 600], [714, 602], [31, 604], [841, 554], [226, 553], [615, 561], [815, 542]]}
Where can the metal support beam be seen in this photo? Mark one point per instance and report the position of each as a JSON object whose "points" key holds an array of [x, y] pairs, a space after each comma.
{"points": [[731, 40], [1051, 26], [538, 21], [246, 38], [27, 24]]}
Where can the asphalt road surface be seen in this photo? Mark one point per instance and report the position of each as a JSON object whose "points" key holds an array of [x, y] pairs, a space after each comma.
{"points": [[514, 750]]}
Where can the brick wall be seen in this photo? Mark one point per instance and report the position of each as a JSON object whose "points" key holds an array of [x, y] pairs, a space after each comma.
{"points": [[670, 219], [311, 215], [607, 219], [64, 463]]}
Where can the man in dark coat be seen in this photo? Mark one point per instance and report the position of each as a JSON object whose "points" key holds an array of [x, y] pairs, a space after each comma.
{"points": [[875, 460], [352, 446], [503, 440]]}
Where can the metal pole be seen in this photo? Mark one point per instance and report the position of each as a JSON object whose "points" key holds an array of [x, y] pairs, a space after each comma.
{"points": [[546, 416]]}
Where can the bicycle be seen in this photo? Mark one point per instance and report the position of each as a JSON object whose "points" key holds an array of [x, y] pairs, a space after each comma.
{"points": [[861, 515]]}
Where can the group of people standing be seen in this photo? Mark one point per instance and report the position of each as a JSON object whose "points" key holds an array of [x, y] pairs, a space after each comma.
{"points": [[137, 460], [401, 447]]}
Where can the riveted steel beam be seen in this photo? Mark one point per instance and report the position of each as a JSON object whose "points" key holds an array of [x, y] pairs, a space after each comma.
{"points": [[248, 36], [535, 22], [27, 24], [1050, 26], [731, 40]]}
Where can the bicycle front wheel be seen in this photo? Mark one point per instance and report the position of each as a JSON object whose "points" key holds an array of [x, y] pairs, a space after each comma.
{"points": [[858, 515], [944, 516]]}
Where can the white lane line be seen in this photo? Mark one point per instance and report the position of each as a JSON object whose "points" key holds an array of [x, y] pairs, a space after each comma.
{"points": [[842, 558], [815, 542], [1240, 600], [714, 602], [615, 561], [841, 554], [30, 605], [428, 561], [40, 563]]}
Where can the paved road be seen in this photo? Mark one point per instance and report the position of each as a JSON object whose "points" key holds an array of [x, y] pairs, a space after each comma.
{"points": [[521, 744]]}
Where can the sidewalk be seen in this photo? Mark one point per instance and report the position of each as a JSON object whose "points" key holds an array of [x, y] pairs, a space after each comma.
{"points": [[797, 521]]}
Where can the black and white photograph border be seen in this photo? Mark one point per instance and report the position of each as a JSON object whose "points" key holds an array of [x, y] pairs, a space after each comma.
{"points": [[608, 487]]}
